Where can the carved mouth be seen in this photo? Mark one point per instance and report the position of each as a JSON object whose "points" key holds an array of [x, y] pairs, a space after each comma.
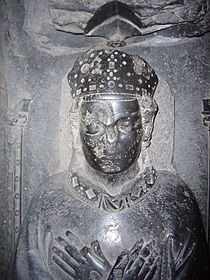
{"points": [[110, 166], [112, 152], [110, 157]]}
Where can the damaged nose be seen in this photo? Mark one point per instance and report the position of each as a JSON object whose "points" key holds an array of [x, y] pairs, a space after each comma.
{"points": [[111, 135]]}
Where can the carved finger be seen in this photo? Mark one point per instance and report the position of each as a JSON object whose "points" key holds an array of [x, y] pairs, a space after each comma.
{"points": [[186, 252], [64, 266], [122, 261], [96, 248], [144, 259], [84, 251], [152, 270], [137, 247], [145, 252], [137, 264], [185, 246], [65, 258], [71, 250], [61, 241], [128, 265], [136, 256], [167, 266], [94, 263], [73, 239], [96, 258], [144, 270], [148, 253]]}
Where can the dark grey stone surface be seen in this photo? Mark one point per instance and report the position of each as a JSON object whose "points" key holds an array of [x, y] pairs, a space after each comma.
{"points": [[36, 72]]}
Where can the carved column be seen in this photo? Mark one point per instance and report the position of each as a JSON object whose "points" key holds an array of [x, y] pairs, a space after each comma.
{"points": [[206, 122], [18, 121]]}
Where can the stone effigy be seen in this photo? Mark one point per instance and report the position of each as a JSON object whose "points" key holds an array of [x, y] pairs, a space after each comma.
{"points": [[112, 216]]}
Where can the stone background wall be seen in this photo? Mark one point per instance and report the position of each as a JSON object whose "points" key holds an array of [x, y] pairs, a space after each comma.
{"points": [[31, 77]]}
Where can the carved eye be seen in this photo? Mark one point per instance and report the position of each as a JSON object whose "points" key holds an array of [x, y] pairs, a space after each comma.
{"points": [[125, 125], [95, 128]]}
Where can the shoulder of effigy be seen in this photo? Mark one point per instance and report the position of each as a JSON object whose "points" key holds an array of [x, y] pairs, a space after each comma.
{"points": [[172, 186], [175, 197], [51, 198], [57, 185]]}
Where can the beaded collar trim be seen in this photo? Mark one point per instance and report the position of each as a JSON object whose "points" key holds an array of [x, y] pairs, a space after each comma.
{"points": [[140, 188]]}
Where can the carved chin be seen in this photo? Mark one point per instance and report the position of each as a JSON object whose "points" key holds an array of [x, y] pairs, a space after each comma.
{"points": [[112, 161], [111, 164], [109, 167]]}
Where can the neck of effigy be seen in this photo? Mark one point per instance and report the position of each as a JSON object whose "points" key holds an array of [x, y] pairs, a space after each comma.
{"points": [[113, 184]]}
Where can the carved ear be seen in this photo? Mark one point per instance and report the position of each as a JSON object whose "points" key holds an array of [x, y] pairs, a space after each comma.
{"points": [[149, 109]]}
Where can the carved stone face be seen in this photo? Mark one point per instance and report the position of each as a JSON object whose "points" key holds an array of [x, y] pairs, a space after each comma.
{"points": [[111, 134]]}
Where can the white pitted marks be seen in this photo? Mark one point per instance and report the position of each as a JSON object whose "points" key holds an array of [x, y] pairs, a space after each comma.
{"points": [[112, 72]]}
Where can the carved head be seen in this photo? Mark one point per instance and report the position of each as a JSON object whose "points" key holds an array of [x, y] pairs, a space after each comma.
{"points": [[114, 91]]}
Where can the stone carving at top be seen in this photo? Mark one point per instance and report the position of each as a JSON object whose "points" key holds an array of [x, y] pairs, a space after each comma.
{"points": [[110, 216], [146, 15], [102, 19]]}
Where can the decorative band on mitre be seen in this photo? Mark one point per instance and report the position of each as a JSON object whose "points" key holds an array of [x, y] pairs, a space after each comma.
{"points": [[111, 72]]}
